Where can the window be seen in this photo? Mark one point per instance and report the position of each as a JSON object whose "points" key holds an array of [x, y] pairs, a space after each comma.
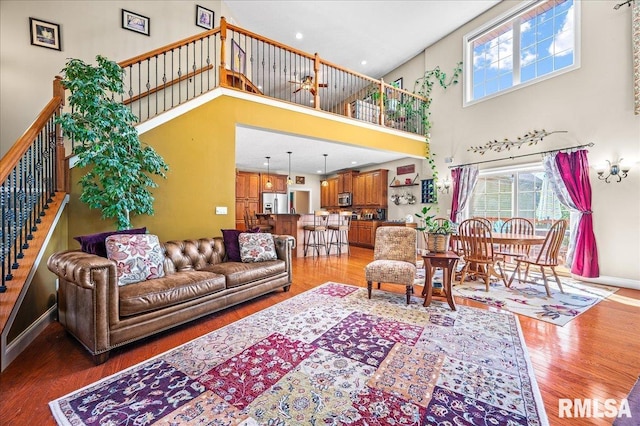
{"points": [[519, 192], [533, 42]]}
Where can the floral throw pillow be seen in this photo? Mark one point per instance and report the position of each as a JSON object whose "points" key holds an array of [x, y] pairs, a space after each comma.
{"points": [[256, 247], [138, 257]]}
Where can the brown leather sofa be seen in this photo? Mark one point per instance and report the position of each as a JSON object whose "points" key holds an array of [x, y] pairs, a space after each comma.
{"points": [[198, 281]]}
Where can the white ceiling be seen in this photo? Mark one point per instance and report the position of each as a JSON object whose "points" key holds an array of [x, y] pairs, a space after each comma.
{"points": [[384, 33]]}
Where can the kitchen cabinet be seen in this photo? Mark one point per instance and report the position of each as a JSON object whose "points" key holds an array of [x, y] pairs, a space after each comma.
{"points": [[345, 181], [370, 189], [362, 232], [247, 195], [329, 193], [358, 198], [279, 183]]}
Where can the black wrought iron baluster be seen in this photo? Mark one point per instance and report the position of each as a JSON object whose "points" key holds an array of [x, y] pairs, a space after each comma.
{"points": [[19, 237], [158, 91], [30, 196], [130, 67], [4, 238], [50, 160], [164, 81], [39, 182]]}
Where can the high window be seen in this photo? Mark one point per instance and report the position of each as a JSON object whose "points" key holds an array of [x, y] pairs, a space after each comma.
{"points": [[535, 41]]}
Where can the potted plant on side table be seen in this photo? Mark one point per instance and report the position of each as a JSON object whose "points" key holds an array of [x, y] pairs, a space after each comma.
{"points": [[436, 232]]}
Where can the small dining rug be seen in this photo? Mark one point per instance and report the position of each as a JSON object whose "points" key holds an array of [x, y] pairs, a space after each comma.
{"points": [[532, 300], [329, 356]]}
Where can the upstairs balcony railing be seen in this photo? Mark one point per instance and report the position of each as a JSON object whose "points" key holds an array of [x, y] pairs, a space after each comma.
{"points": [[233, 57], [228, 56]]}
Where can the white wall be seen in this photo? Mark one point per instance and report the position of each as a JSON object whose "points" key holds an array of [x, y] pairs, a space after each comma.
{"points": [[593, 103], [87, 28]]}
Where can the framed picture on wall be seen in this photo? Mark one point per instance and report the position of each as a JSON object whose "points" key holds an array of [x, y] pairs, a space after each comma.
{"points": [[300, 180], [136, 22], [45, 34], [204, 17]]}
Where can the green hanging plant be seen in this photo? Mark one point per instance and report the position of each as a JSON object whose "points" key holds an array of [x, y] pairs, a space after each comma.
{"points": [[119, 167], [423, 86]]}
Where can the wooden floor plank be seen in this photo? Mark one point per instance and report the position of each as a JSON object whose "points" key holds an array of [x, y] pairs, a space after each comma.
{"points": [[593, 356]]}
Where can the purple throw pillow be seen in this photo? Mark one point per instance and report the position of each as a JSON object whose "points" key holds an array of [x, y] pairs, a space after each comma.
{"points": [[95, 243], [231, 245]]}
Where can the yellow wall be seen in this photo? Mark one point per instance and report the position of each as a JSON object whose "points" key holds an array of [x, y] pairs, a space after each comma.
{"points": [[199, 147]]}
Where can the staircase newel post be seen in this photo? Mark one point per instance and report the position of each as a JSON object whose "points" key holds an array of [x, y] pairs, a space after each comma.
{"points": [[60, 162], [223, 51], [316, 84]]}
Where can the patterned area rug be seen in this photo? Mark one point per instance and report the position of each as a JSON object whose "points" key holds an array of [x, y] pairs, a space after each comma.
{"points": [[329, 356], [532, 300]]}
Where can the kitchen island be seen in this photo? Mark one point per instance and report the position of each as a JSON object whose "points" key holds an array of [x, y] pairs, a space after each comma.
{"points": [[361, 233], [281, 223]]}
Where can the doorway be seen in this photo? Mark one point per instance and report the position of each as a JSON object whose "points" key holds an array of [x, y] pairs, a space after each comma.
{"points": [[300, 201]]}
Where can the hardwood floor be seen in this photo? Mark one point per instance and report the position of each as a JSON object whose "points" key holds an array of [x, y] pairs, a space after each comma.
{"points": [[593, 356]]}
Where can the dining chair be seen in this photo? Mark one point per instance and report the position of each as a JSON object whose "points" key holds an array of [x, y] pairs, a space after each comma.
{"points": [[251, 222], [478, 253], [394, 258], [546, 258], [516, 225]]}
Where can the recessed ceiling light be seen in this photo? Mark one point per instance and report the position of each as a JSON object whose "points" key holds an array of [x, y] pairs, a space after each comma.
{"points": [[299, 36], [354, 162], [364, 62], [319, 171]]}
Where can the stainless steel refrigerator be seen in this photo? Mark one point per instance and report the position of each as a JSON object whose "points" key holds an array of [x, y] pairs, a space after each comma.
{"points": [[274, 203]]}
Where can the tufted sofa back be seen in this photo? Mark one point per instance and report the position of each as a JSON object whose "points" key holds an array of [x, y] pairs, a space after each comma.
{"points": [[192, 255]]}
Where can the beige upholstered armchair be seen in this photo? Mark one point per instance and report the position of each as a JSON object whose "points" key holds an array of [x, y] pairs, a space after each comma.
{"points": [[394, 258]]}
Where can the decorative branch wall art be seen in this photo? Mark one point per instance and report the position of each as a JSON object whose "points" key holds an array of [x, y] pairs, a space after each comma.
{"points": [[530, 138]]}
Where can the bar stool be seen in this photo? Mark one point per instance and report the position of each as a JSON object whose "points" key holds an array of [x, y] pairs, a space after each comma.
{"points": [[339, 233], [314, 235]]}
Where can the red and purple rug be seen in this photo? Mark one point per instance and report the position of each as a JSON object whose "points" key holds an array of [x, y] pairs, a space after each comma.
{"points": [[329, 356]]}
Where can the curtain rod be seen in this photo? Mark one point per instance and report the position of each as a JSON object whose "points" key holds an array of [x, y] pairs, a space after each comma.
{"points": [[525, 155]]}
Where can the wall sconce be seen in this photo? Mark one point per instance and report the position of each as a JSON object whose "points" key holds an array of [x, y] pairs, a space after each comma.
{"points": [[616, 170], [443, 186]]}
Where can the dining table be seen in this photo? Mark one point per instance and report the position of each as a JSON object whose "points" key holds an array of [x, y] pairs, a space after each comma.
{"points": [[508, 238]]}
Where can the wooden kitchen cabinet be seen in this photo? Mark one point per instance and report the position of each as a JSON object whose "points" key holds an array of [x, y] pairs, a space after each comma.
{"points": [[362, 233], [370, 189], [345, 181], [279, 183], [247, 195], [329, 194]]}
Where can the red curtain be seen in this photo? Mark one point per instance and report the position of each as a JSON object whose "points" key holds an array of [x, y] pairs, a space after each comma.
{"points": [[574, 170]]}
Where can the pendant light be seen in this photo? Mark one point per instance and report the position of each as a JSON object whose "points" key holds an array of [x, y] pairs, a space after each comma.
{"points": [[325, 182], [268, 185], [289, 180]]}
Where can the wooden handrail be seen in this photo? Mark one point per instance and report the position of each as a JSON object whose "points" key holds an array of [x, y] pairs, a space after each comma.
{"points": [[165, 85], [24, 142], [167, 48]]}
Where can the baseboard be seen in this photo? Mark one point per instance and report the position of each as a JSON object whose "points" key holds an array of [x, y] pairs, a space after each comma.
{"points": [[25, 338], [612, 281]]}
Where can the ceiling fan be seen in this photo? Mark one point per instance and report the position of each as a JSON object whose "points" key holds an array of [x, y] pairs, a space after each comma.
{"points": [[307, 84]]}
